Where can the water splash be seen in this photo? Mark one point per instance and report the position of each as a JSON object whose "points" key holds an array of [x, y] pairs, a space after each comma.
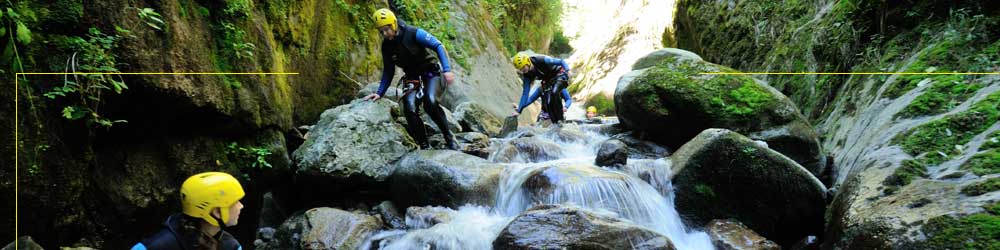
{"points": [[640, 193]]}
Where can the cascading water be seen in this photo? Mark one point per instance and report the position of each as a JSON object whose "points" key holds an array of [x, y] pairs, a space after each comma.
{"points": [[570, 179]]}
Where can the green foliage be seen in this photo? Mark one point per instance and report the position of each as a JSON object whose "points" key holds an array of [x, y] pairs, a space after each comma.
{"points": [[748, 98], [984, 163], [704, 190], [983, 187], [525, 24], [940, 137], [84, 92], [905, 173], [973, 232], [604, 105], [234, 40], [151, 18], [560, 44], [248, 157], [239, 9], [14, 28], [940, 97]]}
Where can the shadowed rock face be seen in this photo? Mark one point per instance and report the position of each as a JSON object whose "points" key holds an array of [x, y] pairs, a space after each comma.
{"points": [[721, 174], [323, 228], [733, 235], [559, 226]]}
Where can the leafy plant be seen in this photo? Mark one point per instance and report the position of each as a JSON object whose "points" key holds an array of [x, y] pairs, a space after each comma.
{"points": [[151, 18], [85, 90], [255, 157], [12, 25]]}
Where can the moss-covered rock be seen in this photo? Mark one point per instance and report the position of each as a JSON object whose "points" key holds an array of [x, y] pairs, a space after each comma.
{"points": [[674, 91], [977, 231], [984, 163], [721, 174], [939, 137], [983, 187]]}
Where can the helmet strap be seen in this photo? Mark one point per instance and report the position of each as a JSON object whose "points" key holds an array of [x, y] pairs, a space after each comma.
{"points": [[222, 227]]}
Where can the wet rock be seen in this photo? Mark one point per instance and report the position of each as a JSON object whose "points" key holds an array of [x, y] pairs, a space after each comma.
{"points": [[612, 152], [733, 235], [569, 227], [271, 212], [390, 215], [470, 115], [23, 243], [509, 126], [721, 174], [443, 178], [324, 228], [546, 183], [672, 91], [392, 92], [607, 129], [642, 149], [265, 235], [527, 149], [427, 216], [357, 140], [473, 143]]}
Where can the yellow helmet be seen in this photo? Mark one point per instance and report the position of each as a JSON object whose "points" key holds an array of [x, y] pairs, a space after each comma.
{"points": [[202, 192], [592, 109], [521, 59], [385, 17]]}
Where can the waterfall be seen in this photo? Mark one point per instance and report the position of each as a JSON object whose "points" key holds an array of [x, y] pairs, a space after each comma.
{"points": [[571, 179]]}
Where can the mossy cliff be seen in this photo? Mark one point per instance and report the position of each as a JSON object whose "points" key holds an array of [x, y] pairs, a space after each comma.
{"points": [[101, 167], [913, 153]]}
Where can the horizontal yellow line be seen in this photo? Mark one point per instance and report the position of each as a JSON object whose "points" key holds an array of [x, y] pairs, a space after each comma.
{"points": [[159, 73], [850, 73]]}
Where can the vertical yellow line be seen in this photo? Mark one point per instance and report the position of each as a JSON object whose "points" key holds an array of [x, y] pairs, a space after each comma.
{"points": [[16, 75]]}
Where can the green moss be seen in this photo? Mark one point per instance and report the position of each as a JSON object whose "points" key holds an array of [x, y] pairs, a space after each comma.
{"points": [[705, 191], [905, 173], [983, 187], [525, 24], [993, 209], [993, 141], [940, 136], [984, 163], [944, 95], [604, 105], [977, 231]]}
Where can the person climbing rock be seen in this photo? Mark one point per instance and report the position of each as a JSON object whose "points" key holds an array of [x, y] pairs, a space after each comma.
{"points": [[424, 62], [210, 202], [554, 74]]}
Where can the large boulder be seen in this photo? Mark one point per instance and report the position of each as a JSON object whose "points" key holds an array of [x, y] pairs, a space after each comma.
{"points": [[641, 149], [357, 140], [673, 91], [569, 227], [323, 228], [443, 178], [526, 150], [733, 235], [475, 118], [721, 174]]}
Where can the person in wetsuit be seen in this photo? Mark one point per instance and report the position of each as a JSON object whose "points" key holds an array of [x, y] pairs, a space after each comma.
{"points": [[424, 61], [554, 74], [210, 202]]}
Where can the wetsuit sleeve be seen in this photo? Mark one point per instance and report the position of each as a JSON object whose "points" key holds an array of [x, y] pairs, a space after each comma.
{"points": [[429, 41], [138, 246], [525, 86], [388, 71], [535, 94], [556, 61], [565, 96]]}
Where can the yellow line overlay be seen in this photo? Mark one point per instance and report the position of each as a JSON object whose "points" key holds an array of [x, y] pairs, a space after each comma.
{"points": [[16, 120], [850, 73]]}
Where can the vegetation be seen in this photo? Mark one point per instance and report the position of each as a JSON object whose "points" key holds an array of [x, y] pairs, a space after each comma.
{"points": [[435, 17], [984, 163], [983, 187], [604, 104], [527, 24], [248, 157], [940, 137], [904, 174], [977, 231], [91, 55]]}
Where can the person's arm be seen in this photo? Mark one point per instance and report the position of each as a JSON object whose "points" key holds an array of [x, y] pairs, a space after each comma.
{"points": [[535, 94], [525, 86], [388, 71], [553, 61], [429, 41], [566, 98]]}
